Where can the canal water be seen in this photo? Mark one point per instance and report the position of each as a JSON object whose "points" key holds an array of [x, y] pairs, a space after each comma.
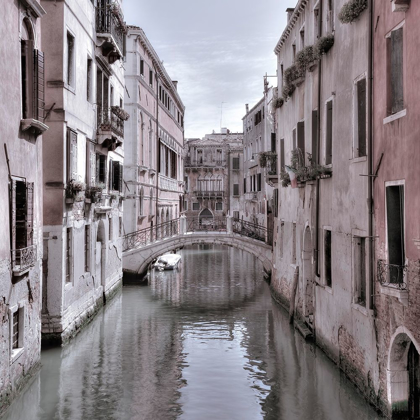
{"points": [[203, 342]]}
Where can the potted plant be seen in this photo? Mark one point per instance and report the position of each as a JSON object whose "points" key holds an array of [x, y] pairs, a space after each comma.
{"points": [[323, 45], [352, 10], [74, 190]]}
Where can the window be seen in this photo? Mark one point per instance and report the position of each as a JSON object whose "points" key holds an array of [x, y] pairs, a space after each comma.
{"points": [[110, 228], [316, 21], [141, 67], [276, 202], [360, 119], [196, 206], [69, 67], [89, 80], [328, 140], [236, 190], [302, 38], [69, 254], [294, 143], [395, 231], [301, 140], [141, 202], [294, 52], [395, 57], [294, 243], [314, 136], [150, 77], [219, 206], [21, 224], [87, 247], [185, 205], [236, 214], [116, 175], [281, 238], [327, 258], [259, 183], [282, 160], [32, 77], [100, 168], [273, 142], [121, 226], [330, 16], [71, 155], [244, 185], [15, 330], [235, 163], [359, 269]]}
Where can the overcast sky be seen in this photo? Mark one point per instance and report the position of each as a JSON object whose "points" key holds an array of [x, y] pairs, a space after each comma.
{"points": [[218, 50]]}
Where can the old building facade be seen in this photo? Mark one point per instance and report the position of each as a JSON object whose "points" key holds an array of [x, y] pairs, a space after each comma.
{"points": [[154, 138], [323, 252], [396, 200], [82, 162], [213, 175], [22, 122], [260, 161]]}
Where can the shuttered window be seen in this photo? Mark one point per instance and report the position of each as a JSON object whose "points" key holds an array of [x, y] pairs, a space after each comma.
{"points": [[117, 176], [100, 168], [259, 183], [327, 258], [282, 155], [315, 136], [273, 142], [235, 189], [396, 71], [328, 145], [361, 118], [71, 155], [39, 86], [301, 141], [15, 330], [244, 185], [235, 163]]}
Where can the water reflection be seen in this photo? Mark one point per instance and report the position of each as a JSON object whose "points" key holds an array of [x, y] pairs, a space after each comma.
{"points": [[203, 342]]}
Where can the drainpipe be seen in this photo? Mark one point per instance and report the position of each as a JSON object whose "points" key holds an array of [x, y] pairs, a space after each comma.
{"points": [[316, 249], [370, 178]]}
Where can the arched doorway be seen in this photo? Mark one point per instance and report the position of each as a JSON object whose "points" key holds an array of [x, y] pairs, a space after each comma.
{"points": [[404, 375], [205, 218], [308, 282]]}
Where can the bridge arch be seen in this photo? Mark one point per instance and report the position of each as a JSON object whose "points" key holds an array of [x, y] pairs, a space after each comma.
{"points": [[136, 261]]}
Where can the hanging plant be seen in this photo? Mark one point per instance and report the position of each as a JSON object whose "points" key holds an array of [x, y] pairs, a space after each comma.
{"points": [[323, 45], [268, 159], [74, 187], [352, 10], [304, 58]]}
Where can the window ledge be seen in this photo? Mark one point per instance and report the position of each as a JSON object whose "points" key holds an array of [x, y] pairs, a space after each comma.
{"points": [[68, 285], [395, 116], [16, 353], [103, 209], [358, 159], [360, 308], [37, 126], [401, 295]]}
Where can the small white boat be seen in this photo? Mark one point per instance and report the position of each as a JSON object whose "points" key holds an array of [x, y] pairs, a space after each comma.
{"points": [[167, 262]]}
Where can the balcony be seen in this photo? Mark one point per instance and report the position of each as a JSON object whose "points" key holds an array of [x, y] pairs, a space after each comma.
{"points": [[110, 129], [208, 194], [110, 31], [203, 163], [251, 196], [393, 280], [168, 184], [23, 259]]}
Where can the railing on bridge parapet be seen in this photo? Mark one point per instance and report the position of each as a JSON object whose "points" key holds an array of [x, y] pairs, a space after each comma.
{"points": [[252, 230], [196, 224], [149, 235]]}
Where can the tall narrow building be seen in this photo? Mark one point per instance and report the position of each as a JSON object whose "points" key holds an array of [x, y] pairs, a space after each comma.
{"points": [[154, 138], [82, 161], [22, 128]]}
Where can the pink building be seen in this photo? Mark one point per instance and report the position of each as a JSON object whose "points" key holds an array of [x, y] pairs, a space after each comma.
{"points": [[396, 201]]}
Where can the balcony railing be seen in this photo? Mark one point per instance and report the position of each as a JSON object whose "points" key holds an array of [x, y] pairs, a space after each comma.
{"points": [[199, 163], [392, 275], [109, 23], [23, 259], [169, 184], [208, 194], [110, 119]]}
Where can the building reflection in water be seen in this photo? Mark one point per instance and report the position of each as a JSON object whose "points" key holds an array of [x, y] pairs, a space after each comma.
{"points": [[202, 342]]}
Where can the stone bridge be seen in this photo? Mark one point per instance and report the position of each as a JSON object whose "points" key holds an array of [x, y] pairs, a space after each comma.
{"points": [[137, 257]]}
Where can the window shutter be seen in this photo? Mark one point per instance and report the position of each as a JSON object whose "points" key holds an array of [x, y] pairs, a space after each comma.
{"points": [[13, 214], [39, 86], [121, 180], [315, 136], [328, 153], [361, 117], [397, 87], [301, 140], [116, 176], [110, 175], [28, 78], [72, 155], [93, 169], [29, 213]]}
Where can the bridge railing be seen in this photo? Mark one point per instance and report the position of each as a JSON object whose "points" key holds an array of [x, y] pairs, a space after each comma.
{"points": [[252, 230], [206, 224], [149, 235]]}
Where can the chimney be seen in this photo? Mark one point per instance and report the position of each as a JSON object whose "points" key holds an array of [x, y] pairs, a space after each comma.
{"points": [[247, 108], [175, 82], [289, 12], [224, 130]]}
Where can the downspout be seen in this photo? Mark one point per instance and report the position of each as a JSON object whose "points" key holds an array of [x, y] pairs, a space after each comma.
{"points": [[370, 178], [157, 141], [316, 249]]}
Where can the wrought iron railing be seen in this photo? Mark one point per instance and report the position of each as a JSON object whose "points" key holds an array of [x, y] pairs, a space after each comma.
{"points": [[23, 258], [206, 224], [152, 234], [252, 230], [201, 193], [108, 23], [109, 120], [392, 275]]}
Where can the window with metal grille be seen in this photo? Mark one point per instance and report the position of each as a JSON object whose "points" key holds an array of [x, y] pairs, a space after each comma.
{"points": [[15, 332], [196, 206], [219, 206]]}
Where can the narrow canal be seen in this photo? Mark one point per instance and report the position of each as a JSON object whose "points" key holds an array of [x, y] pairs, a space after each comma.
{"points": [[203, 342]]}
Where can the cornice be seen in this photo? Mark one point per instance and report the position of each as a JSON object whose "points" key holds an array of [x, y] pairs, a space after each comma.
{"points": [[290, 25]]}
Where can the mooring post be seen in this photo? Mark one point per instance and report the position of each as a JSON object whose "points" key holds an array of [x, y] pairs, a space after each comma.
{"points": [[229, 228], [182, 225]]}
